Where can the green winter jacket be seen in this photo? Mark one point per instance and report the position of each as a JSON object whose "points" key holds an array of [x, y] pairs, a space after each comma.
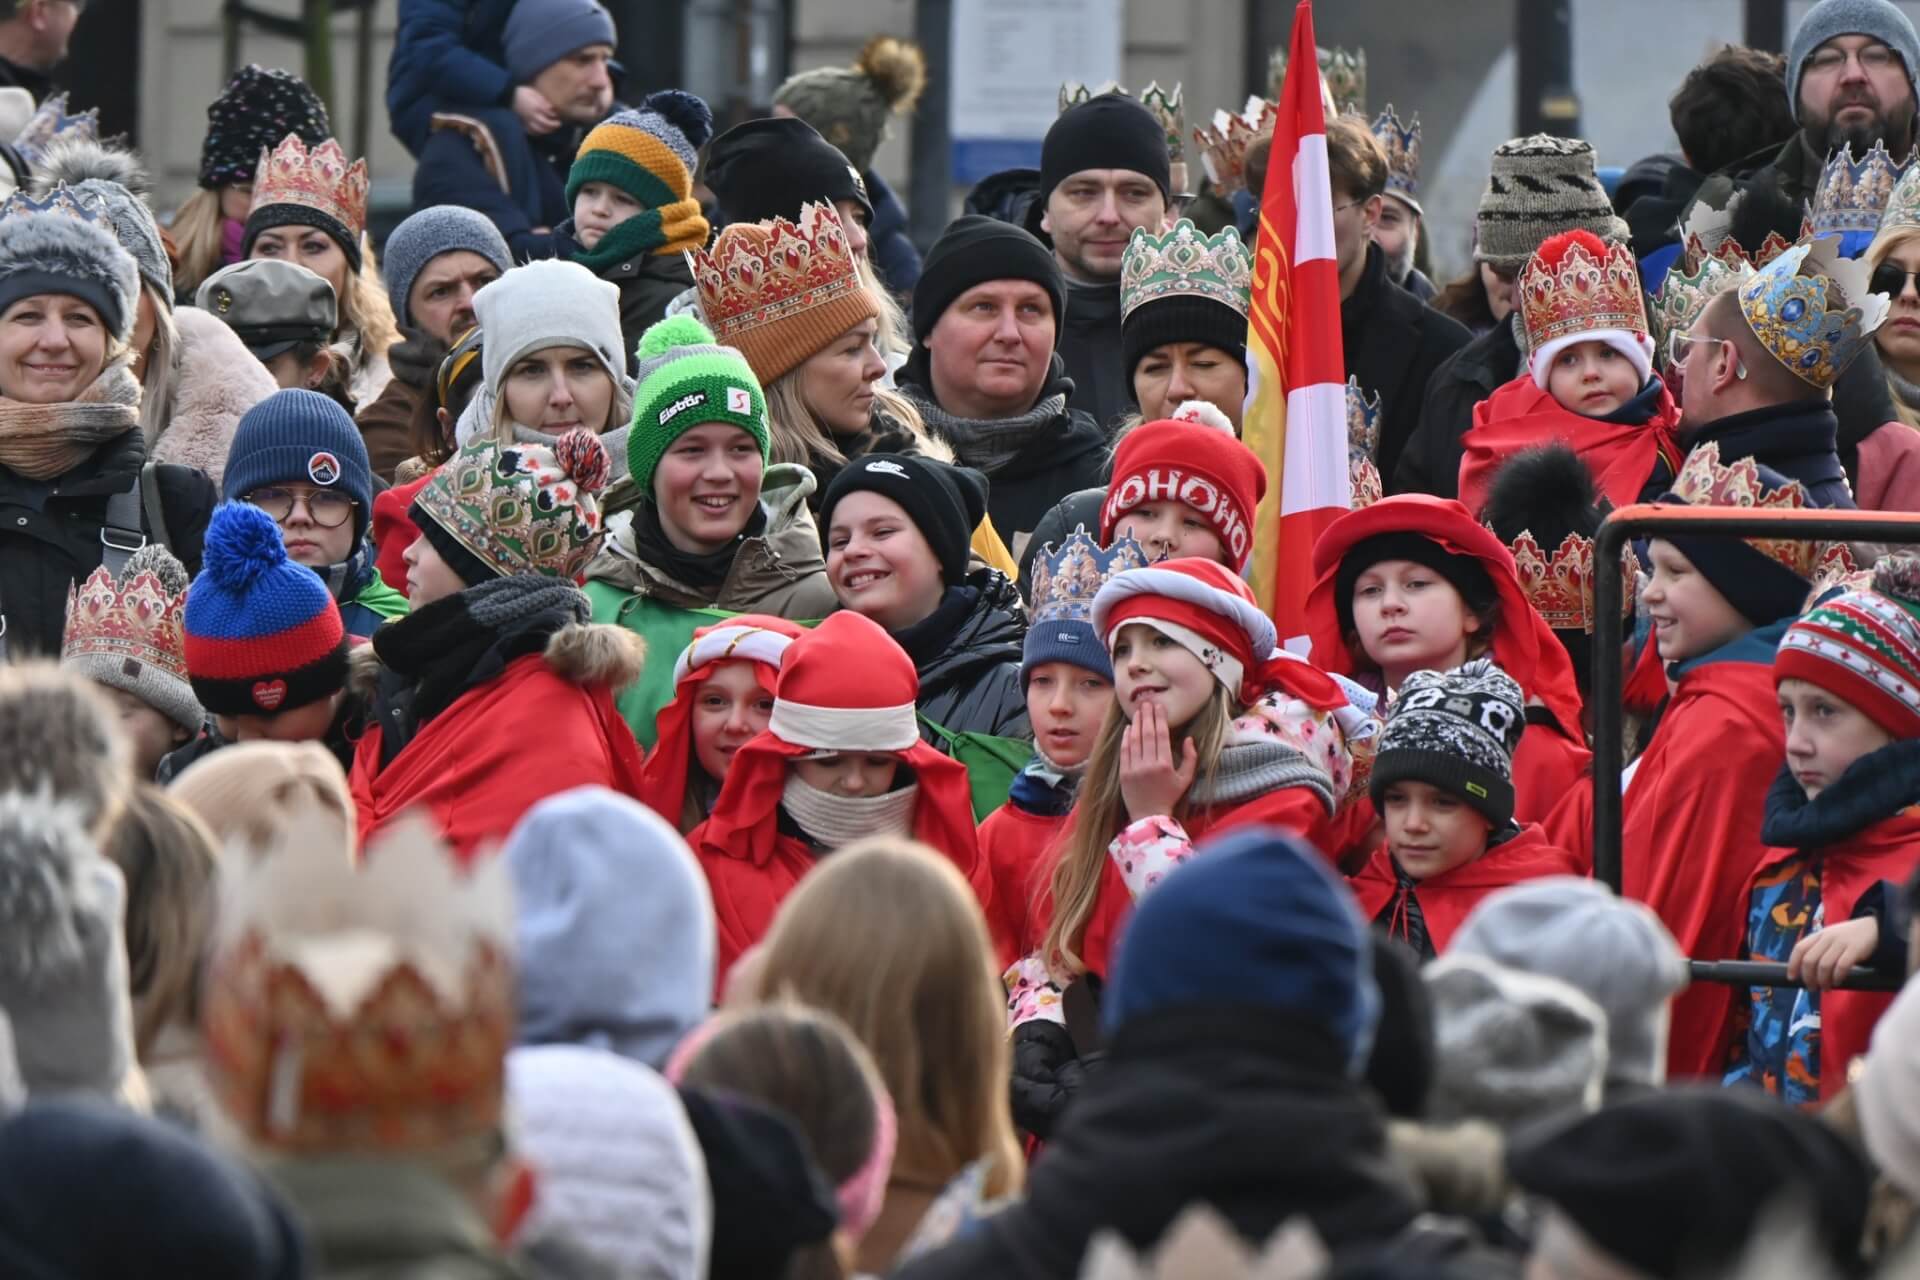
{"points": [[387, 1219]]}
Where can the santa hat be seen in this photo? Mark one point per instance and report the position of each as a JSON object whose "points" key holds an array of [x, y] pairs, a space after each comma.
{"points": [[752, 637], [844, 686], [1576, 288], [1193, 463], [1206, 609]]}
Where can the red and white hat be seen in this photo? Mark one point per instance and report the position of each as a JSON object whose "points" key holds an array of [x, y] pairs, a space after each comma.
{"points": [[1206, 608], [1192, 463]]}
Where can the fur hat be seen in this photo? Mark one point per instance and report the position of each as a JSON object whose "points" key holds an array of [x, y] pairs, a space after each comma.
{"points": [[59, 735], [65, 243], [118, 178], [850, 106], [1511, 1047]]}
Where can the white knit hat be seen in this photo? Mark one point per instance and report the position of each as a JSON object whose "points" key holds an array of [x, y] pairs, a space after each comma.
{"points": [[550, 303]]}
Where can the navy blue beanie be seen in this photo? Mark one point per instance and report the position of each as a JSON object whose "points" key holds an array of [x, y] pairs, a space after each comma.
{"points": [[1256, 919], [303, 437]]}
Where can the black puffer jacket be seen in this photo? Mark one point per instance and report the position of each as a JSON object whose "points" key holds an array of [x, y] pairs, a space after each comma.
{"points": [[50, 534], [1430, 460], [968, 655]]}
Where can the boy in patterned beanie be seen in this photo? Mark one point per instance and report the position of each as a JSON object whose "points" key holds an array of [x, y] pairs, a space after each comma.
{"points": [[1442, 782]]}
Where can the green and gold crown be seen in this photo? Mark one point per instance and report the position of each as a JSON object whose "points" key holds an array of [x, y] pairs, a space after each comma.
{"points": [[1164, 105], [1183, 263], [1811, 310], [1683, 295]]}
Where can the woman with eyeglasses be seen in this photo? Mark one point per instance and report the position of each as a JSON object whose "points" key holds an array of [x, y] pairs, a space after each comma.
{"points": [[298, 457]]}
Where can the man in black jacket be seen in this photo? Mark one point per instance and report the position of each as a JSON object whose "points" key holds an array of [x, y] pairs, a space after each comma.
{"points": [[33, 41], [1393, 340]]}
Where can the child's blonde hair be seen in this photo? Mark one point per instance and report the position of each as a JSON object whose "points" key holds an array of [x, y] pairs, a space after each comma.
{"points": [[167, 857]]}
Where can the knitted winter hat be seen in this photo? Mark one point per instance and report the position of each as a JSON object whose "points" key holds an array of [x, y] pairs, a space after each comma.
{"points": [[548, 304], [687, 379], [426, 234], [1888, 1092], [1111, 131], [1259, 920], [1863, 649], [63, 963], [850, 105], [598, 965], [1575, 288], [621, 1180], [258, 108], [517, 509], [1615, 950], [66, 244], [247, 791], [782, 291], [59, 735], [541, 32], [1880, 19], [760, 170], [973, 250], [315, 187], [769, 1197], [1210, 471], [945, 502], [1183, 286], [650, 154], [1540, 185], [263, 634], [1066, 578], [118, 179], [125, 633], [1456, 730], [1207, 609], [272, 306], [300, 435], [1512, 1047]]}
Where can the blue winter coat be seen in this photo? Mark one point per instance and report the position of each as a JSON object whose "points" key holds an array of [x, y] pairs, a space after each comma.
{"points": [[527, 189], [891, 248], [447, 56]]}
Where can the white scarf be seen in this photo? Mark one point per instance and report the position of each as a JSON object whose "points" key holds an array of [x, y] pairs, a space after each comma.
{"points": [[834, 821]]}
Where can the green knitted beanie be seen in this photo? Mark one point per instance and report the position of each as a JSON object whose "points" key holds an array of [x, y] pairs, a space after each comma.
{"points": [[686, 379]]}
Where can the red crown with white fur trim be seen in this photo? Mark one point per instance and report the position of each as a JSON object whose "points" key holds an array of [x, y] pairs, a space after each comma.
{"points": [[846, 686]]}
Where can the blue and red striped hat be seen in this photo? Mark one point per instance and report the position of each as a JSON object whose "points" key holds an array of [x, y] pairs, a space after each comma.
{"points": [[263, 634]]}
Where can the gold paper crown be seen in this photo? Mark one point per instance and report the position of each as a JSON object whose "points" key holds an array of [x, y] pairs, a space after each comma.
{"points": [[1852, 195], [1709, 234], [1074, 94], [1344, 74], [1704, 481], [320, 179], [361, 1009], [1560, 586], [1363, 441], [1567, 288], [1223, 146], [138, 620], [1164, 105], [758, 273]]}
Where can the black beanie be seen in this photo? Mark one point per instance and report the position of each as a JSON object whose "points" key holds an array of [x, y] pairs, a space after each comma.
{"points": [[973, 250], [1468, 575], [946, 503], [1107, 132], [1181, 319], [766, 169], [1760, 588]]}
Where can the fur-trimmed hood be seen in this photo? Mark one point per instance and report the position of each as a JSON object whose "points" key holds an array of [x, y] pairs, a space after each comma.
{"points": [[215, 381], [583, 653]]}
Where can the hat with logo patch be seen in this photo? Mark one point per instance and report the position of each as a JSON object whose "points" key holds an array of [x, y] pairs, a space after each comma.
{"points": [[300, 437], [687, 379], [946, 503], [1192, 464]]}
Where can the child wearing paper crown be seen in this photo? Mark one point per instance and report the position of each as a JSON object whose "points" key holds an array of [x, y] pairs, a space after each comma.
{"points": [[1589, 381], [841, 758], [496, 692], [1442, 783], [723, 688], [1842, 829]]}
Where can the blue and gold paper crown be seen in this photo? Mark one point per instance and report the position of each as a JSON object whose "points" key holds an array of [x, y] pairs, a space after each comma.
{"points": [[1401, 142], [1852, 197], [53, 121], [1793, 310], [1363, 441], [1067, 577], [61, 202]]}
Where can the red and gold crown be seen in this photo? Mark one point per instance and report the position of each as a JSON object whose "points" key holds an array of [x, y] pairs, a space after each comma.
{"points": [[761, 273], [1577, 283], [1223, 146], [1704, 481], [322, 179], [139, 619], [361, 1009], [1560, 586]]}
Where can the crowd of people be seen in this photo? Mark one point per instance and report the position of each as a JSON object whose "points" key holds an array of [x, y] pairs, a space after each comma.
{"points": [[645, 727]]}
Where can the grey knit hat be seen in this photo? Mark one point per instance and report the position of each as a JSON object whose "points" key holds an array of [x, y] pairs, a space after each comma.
{"points": [[541, 32], [425, 235], [850, 106], [65, 244], [1511, 1047], [1540, 186], [127, 639], [1456, 730], [1829, 18], [117, 178], [60, 734]]}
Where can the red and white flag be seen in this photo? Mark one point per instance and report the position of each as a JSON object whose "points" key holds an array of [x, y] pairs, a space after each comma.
{"points": [[1297, 410]]}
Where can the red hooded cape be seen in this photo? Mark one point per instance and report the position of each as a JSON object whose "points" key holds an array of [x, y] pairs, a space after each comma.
{"points": [[394, 531], [1446, 899], [1520, 416]]}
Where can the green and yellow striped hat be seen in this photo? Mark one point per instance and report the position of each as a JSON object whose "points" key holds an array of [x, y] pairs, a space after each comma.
{"points": [[650, 153]]}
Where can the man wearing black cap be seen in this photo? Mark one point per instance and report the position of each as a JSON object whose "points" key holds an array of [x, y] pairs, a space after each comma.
{"points": [[986, 376], [1104, 171]]}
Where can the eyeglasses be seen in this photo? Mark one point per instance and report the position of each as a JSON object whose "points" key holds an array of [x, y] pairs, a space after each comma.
{"points": [[1679, 342], [328, 508], [1890, 280], [1875, 57], [1351, 204]]}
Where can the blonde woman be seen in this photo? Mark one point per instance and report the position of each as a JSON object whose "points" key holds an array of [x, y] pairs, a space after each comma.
{"points": [[1888, 468], [919, 985]]}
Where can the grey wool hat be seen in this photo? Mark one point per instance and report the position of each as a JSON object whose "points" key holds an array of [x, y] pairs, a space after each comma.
{"points": [[119, 180], [1880, 19], [65, 243], [430, 232], [59, 734], [1511, 1047], [271, 305], [1538, 187]]}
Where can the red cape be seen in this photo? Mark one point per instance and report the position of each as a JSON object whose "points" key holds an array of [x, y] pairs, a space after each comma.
{"points": [[1446, 899], [1519, 415], [1546, 766], [1019, 847], [393, 531], [500, 748], [1690, 839]]}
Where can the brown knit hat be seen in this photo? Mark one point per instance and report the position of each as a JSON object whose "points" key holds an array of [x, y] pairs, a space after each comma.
{"points": [[244, 791], [1539, 186], [780, 293]]}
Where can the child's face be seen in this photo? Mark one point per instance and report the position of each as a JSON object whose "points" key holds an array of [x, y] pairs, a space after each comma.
{"points": [[1591, 378], [1067, 705], [1824, 735], [879, 562], [429, 576], [1151, 667], [598, 209], [150, 734], [1690, 616], [1173, 530], [729, 707], [707, 486], [851, 774], [1430, 831], [1409, 619]]}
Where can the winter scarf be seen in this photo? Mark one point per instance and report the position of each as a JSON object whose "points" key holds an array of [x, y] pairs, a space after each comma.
{"points": [[42, 441], [666, 231], [615, 440], [1044, 788], [1873, 788], [1906, 392], [832, 821], [989, 444], [703, 573], [1249, 769]]}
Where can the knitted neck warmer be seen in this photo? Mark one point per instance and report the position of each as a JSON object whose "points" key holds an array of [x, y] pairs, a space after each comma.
{"points": [[1871, 790], [989, 444], [42, 441], [1908, 392], [615, 440], [1248, 770], [701, 572], [670, 229], [836, 821]]}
